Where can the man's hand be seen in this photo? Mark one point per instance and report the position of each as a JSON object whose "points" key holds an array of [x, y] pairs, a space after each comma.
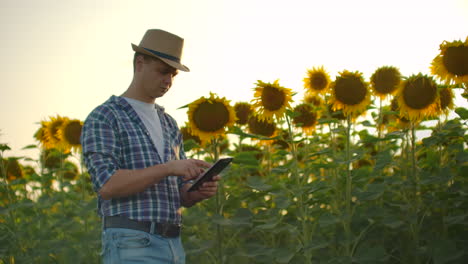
{"points": [[187, 168], [207, 190]]}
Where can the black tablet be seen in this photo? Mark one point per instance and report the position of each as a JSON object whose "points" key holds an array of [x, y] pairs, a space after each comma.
{"points": [[219, 165]]}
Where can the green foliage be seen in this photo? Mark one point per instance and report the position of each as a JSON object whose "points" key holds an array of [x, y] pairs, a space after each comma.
{"points": [[286, 204]]}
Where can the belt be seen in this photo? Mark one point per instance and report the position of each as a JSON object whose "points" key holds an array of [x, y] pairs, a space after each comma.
{"points": [[162, 229]]}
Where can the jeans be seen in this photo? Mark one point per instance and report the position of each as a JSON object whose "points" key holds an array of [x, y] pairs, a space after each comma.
{"points": [[127, 246]]}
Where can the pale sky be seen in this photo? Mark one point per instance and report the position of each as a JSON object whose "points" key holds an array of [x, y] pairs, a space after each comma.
{"points": [[67, 57]]}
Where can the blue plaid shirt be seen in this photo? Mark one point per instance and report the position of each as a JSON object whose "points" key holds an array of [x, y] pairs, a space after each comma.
{"points": [[113, 138]]}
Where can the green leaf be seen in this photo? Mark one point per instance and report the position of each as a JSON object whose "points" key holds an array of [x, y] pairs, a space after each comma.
{"points": [[317, 244], [392, 222], [220, 220], [327, 121], [190, 144], [384, 158], [327, 219], [282, 202], [4, 147], [368, 254], [269, 225], [284, 255], [32, 146], [246, 158], [462, 112], [242, 217], [445, 251], [366, 123], [182, 107], [258, 184], [455, 219]]}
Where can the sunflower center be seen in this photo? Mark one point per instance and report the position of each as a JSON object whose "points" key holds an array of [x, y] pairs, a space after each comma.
{"points": [[272, 98], [419, 93], [211, 117], [318, 81], [386, 81], [73, 133], [455, 60], [445, 98], [350, 90], [306, 116], [262, 128], [242, 113]]}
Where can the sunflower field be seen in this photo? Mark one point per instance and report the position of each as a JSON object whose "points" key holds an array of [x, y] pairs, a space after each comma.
{"points": [[338, 176]]}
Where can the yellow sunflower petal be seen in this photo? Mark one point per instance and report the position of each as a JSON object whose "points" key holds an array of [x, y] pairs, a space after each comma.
{"points": [[451, 65], [306, 118], [52, 135], [417, 97], [69, 134], [385, 81], [271, 100], [210, 117], [317, 80], [350, 93]]}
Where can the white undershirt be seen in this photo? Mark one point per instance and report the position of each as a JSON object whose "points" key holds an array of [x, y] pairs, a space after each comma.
{"points": [[149, 115]]}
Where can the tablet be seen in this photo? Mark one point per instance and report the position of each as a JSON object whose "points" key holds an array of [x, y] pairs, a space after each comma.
{"points": [[219, 165]]}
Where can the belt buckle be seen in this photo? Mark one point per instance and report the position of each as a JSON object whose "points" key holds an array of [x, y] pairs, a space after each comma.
{"points": [[168, 230]]}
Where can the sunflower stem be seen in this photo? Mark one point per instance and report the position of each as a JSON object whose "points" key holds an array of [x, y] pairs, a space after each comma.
{"points": [[219, 208], [348, 198], [306, 235], [379, 125], [414, 173]]}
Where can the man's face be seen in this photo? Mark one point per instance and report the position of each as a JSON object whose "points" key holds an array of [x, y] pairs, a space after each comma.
{"points": [[156, 78]]}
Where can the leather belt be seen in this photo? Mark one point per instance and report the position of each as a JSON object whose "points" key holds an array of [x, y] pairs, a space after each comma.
{"points": [[162, 229]]}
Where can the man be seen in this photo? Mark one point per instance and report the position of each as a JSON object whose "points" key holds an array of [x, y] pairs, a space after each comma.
{"points": [[133, 151]]}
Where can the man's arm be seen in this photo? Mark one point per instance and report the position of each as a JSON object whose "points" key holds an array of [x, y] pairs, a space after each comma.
{"points": [[127, 182]]}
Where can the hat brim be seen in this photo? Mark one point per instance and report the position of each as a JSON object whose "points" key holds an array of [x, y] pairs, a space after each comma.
{"points": [[169, 62]]}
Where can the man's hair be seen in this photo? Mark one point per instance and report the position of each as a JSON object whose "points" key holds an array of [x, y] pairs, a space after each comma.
{"points": [[146, 58]]}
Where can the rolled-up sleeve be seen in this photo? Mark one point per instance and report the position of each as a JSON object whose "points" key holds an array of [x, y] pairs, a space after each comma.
{"points": [[101, 150]]}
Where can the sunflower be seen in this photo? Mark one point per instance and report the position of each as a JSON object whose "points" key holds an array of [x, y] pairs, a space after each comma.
{"points": [[446, 100], [306, 118], [258, 126], [385, 80], [243, 111], [312, 99], [350, 93], [40, 135], [337, 114], [51, 133], [417, 97], [187, 134], [271, 100], [70, 171], [13, 169], [401, 121], [209, 117], [387, 118], [452, 62], [317, 80], [362, 163], [69, 134], [256, 151], [52, 158], [283, 141]]}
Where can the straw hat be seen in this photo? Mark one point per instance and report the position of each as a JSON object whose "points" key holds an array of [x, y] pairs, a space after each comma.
{"points": [[164, 46]]}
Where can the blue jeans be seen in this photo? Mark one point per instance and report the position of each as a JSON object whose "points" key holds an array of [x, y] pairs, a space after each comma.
{"points": [[127, 246]]}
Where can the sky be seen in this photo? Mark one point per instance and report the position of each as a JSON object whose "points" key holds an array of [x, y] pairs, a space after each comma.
{"points": [[67, 57]]}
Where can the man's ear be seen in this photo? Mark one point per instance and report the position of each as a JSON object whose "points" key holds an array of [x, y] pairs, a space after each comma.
{"points": [[139, 61]]}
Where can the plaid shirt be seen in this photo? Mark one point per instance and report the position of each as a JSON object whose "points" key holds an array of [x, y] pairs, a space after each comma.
{"points": [[114, 138]]}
